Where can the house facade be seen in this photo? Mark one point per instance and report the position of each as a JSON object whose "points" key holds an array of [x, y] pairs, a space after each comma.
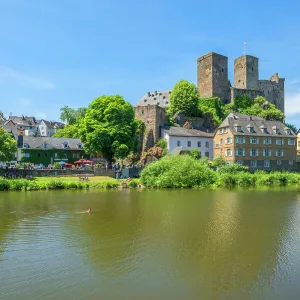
{"points": [[26, 126], [48, 128], [47, 150], [189, 139], [255, 142]]}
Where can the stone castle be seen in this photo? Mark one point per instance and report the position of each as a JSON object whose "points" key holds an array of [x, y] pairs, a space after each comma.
{"points": [[213, 80]]}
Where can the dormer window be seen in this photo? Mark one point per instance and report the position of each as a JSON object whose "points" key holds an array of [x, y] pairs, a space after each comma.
{"points": [[250, 128], [66, 145], [26, 146], [79, 146], [275, 130], [238, 128], [45, 146], [287, 130], [263, 129]]}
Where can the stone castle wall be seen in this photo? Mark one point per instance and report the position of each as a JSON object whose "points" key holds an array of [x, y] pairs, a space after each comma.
{"points": [[241, 92], [154, 117]]}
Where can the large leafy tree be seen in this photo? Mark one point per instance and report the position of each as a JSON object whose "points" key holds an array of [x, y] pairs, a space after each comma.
{"points": [[8, 146], [184, 98], [109, 127], [73, 118]]}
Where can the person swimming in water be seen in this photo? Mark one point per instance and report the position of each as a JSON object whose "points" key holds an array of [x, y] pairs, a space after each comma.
{"points": [[89, 211]]}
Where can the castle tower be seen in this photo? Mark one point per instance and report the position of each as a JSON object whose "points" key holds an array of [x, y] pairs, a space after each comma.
{"points": [[246, 72], [213, 76]]}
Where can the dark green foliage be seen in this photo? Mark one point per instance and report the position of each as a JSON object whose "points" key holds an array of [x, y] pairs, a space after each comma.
{"points": [[219, 161], [184, 98], [180, 171], [213, 106], [109, 127], [4, 185], [162, 143], [195, 154], [8, 146]]}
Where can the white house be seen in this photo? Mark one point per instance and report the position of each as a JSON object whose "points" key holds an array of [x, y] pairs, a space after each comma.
{"points": [[189, 139], [48, 128]]}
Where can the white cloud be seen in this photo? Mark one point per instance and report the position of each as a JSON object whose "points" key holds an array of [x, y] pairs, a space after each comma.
{"points": [[40, 115], [25, 79], [292, 104]]}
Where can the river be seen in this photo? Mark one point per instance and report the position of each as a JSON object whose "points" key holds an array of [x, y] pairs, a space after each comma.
{"points": [[166, 244]]}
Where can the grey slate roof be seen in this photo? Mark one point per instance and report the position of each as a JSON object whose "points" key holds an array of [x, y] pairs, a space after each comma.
{"points": [[180, 131], [23, 121], [53, 143], [160, 98], [179, 150], [258, 123]]}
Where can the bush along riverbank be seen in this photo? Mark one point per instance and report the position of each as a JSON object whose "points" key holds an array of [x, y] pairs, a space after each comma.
{"points": [[186, 172]]}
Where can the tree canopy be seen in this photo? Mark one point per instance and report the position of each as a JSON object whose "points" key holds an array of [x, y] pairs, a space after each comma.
{"points": [[184, 98], [72, 116], [8, 146], [109, 127], [69, 131]]}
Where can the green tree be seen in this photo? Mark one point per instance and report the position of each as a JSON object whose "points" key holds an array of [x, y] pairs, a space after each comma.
{"points": [[162, 143], [8, 146], [109, 127], [72, 116], [195, 153], [69, 131], [219, 161], [214, 106], [184, 97]]}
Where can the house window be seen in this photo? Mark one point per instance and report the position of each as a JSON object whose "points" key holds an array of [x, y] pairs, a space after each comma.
{"points": [[251, 129], [253, 152], [199, 144], [228, 140], [74, 155], [240, 140], [178, 143], [225, 130], [46, 154], [189, 144], [267, 152], [238, 128], [55, 155], [240, 162], [288, 131], [291, 162], [45, 146], [228, 152], [65, 156], [220, 142], [291, 142], [279, 162], [207, 144], [279, 142], [276, 130], [43, 132], [279, 153], [26, 146], [27, 155], [253, 140], [240, 152], [266, 163], [79, 146], [267, 141], [253, 163], [65, 145], [264, 130], [207, 154], [39, 154]]}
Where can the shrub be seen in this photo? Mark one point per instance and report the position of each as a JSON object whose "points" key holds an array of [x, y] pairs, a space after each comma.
{"points": [[55, 184], [232, 169], [228, 180], [177, 172], [246, 179], [195, 153], [4, 185]]}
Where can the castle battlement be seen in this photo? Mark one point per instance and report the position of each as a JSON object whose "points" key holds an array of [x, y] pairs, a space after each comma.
{"points": [[213, 79]]}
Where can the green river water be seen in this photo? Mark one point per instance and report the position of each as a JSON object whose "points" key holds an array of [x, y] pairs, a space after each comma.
{"points": [[166, 244]]}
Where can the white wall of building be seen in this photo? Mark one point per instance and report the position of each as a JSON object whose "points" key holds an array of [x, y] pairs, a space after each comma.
{"points": [[206, 147]]}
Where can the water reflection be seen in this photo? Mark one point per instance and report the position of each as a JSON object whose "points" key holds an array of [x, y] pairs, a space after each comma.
{"points": [[158, 244]]}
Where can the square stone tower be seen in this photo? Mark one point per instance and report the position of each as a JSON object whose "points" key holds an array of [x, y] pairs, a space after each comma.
{"points": [[213, 76], [246, 72]]}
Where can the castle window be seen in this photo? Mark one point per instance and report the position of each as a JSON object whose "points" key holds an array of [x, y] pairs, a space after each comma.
{"points": [[160, 94], [145, 100], [164, 97], [252, 69], [142, 112], [167, 102], [157, 103], [222, 70]]}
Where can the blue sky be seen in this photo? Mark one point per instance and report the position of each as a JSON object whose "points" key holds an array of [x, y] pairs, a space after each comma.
{"points": [[67, 52]]}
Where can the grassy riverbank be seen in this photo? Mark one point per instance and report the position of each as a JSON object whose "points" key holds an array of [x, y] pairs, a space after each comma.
{"points": [[49, 183]]}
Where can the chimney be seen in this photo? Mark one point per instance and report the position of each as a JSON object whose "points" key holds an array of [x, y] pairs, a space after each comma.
{"points": [[149, 94]]}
